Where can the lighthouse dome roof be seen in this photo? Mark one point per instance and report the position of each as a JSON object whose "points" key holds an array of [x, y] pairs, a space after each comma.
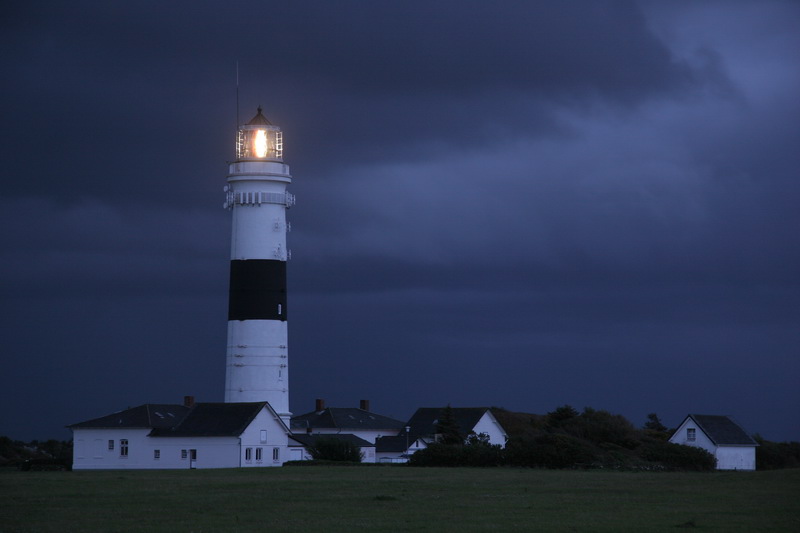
{"points": [[259, 119]]}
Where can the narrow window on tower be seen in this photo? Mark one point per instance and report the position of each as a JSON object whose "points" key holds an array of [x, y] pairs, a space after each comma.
{"points": [[280, 309]]}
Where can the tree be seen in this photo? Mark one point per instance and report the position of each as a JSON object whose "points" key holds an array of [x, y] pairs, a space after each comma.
{"points": [[560, 415], [654, 423], [447, 428]]}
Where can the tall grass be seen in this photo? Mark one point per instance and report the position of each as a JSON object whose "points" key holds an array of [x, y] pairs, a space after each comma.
{"points": [[379, 499]]}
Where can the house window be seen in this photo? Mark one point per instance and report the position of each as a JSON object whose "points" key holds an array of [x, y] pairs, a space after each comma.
{"points": [[184, 454], [111, 445], [263, 436], [258, 454], [276, 454], [691, 434], [248, 454], [123, 447], [156, 454]]}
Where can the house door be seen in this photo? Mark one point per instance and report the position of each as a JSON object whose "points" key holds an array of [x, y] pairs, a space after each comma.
{"points": [[192, 458]]}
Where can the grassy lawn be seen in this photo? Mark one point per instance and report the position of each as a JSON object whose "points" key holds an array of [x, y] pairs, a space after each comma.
{"points": [[374, 499]]}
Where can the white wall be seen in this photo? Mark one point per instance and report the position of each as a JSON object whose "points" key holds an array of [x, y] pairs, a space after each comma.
{"points": [[211, 452], [488, 424], [736, 458], [91, 451], [681, 436], [276, 439]]}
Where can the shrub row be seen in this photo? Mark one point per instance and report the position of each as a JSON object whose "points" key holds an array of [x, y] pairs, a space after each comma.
{"points": [[559, 451]]}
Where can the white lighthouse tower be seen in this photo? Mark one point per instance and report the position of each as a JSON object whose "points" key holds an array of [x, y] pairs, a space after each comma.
{"points": [[257, 356]]}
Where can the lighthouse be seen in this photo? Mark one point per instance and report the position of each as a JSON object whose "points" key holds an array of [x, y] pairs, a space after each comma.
{"points": [[257, 363]]}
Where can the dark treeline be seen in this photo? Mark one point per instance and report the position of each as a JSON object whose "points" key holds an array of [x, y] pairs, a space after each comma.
{"points": [[35, 455], [567, 438]]}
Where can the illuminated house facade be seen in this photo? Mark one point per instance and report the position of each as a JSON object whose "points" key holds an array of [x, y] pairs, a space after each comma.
{"points": [[722, 437], [173, 436]]}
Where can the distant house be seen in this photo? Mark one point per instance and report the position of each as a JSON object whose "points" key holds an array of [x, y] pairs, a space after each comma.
{"points": [[421, 431], [299, 445], [345, 420], [470, 420], [398, 448], [733, 448], [167, 436]]}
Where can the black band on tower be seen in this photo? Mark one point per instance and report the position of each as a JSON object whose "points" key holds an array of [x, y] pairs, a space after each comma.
{"points": [[257, 290]]}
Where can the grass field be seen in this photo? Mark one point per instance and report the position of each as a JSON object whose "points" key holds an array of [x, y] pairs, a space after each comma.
{"points": [[378, 499]]}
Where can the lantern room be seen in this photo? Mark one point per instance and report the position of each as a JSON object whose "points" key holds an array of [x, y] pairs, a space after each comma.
{"points": [[259, 140]]}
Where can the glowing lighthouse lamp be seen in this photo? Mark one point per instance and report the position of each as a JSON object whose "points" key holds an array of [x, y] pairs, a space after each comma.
{"points": [[257, 354]]}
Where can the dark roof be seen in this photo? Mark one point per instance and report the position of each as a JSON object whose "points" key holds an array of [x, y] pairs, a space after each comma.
{"points": [[214, 420], [423, 421], [171, 420], [311, 440], [351, 419], [259, 119], [150, 415], [392, 444], [722, 430]]}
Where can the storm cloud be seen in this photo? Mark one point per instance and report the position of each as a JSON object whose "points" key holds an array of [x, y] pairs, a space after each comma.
{"points": [[518, 204]]}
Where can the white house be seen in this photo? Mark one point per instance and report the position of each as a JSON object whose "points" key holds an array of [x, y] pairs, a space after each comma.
{"points": [[345, 420], [167, 436], [420, 431], [733, 448], [398, 448]]}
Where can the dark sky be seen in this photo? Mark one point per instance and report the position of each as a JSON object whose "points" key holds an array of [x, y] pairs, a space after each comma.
{"points": [[517, 204]]}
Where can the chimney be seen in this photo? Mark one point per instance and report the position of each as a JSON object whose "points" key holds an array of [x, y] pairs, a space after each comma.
{"points": [[364, 405], [188, 401], [320, 405]]}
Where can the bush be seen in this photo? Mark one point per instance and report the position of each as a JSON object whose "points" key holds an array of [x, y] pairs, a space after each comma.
{"points": [[437, 454], [330, 449], [551, 450], [477, 451], [774, 455], [678, 456], [561, 451], [601, 427]]}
